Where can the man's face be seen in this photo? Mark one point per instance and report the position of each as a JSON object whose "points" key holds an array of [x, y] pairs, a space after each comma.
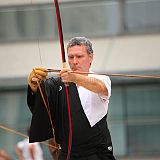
{"points": [[79, 59]]}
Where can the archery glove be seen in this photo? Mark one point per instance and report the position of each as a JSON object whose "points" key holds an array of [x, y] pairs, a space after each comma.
{"points": [[37, 75]]}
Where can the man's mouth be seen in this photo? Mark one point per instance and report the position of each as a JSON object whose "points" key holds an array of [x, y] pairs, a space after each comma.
{"points": [[75, 69]]}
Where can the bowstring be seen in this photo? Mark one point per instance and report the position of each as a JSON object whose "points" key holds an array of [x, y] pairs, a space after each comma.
{"points": [[46, 102], [37, 35]]}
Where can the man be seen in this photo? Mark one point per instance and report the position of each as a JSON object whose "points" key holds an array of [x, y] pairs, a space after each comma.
{"points": [[89, 98]]}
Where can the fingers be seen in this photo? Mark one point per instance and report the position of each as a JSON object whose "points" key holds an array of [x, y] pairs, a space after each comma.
{"points": [[64, 70], [64, 75], [39, 71], [37, 75], [67, 75]]}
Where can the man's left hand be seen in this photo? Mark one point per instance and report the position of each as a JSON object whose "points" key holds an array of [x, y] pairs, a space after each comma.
{"points": [[68, 76]]}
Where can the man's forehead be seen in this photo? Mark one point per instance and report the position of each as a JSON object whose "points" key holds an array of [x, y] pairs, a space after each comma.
{"points": [[77, 48]]}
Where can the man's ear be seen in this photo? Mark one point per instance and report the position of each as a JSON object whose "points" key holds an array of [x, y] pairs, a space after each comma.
{"points": [[91, 57]]}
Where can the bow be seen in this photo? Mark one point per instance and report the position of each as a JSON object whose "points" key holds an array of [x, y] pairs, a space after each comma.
{"points": [[66, 86]]}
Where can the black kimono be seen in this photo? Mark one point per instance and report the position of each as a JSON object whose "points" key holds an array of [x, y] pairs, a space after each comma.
{"points": [[92, 142]]}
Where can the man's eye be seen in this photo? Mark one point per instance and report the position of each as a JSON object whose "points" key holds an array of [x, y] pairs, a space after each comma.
{"points": [[70, 57], [79, 56]]}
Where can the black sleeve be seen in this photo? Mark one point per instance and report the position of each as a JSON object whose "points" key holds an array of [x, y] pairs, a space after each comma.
{"points": [[30, 99], [40, 128]]}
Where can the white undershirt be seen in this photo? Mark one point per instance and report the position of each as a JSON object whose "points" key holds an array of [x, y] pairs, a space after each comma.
{"points": [[94, 105]]}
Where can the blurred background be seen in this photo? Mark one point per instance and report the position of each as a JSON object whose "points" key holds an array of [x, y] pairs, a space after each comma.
{"points": [[126, 39]]}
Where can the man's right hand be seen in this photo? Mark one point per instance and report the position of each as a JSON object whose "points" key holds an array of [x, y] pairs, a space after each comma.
{"points": [[37, 75]]}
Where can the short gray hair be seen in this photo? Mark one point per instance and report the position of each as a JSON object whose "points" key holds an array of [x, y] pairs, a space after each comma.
{"points": [[81, 41]]}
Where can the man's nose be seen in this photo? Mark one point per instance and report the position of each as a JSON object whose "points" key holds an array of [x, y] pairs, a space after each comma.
{"points": [[75, 60]]}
